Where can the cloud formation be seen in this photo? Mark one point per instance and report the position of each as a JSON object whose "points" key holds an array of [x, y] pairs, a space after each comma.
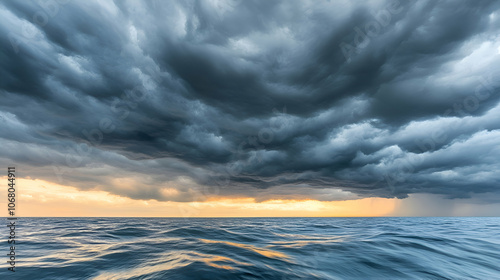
{"points": [[326, 100]]}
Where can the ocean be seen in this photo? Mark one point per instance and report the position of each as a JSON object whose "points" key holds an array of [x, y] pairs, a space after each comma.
{"points": [[255, 248]]}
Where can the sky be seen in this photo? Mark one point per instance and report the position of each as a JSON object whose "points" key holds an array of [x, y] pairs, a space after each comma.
{"points": [[251, 108]]}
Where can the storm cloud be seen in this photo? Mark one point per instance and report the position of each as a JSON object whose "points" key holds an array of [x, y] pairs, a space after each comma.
{"points": [[183, 100]]}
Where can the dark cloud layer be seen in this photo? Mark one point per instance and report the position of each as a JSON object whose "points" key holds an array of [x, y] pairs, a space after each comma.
{"points": [[328, 100]]}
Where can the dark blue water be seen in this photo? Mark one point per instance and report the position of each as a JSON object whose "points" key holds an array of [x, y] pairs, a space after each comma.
{"points": [[257, 248]]}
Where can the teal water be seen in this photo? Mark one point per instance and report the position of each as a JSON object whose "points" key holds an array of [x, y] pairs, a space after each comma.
{"points": [[256, 248]]}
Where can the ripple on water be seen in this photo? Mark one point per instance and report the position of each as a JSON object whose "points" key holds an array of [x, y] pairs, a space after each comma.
{"points": [[263, 248]]}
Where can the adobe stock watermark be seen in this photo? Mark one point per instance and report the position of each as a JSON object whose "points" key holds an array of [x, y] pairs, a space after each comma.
{"points": [[48, 10], [466, 107], [364, 35]]}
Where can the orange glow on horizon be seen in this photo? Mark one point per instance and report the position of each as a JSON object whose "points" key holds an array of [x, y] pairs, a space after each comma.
{"points": [[38, 198]]}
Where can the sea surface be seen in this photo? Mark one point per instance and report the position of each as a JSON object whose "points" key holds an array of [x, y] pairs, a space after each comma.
{"points": [[255, 248]]}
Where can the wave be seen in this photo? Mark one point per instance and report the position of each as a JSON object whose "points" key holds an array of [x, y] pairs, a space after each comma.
{"points": [[258, 248]]}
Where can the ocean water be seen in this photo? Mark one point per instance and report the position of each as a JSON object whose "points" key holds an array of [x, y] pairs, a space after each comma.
{"points": [[256, 248]]}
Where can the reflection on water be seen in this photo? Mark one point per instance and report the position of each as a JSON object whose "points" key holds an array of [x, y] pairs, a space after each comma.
{"points": [[264, 252], [258, 248]]}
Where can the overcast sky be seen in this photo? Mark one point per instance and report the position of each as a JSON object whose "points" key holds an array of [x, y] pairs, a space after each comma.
{"points": [[327, 100]]}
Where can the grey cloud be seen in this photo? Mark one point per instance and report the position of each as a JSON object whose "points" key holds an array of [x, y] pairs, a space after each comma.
{"points": [[254, 98]]}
